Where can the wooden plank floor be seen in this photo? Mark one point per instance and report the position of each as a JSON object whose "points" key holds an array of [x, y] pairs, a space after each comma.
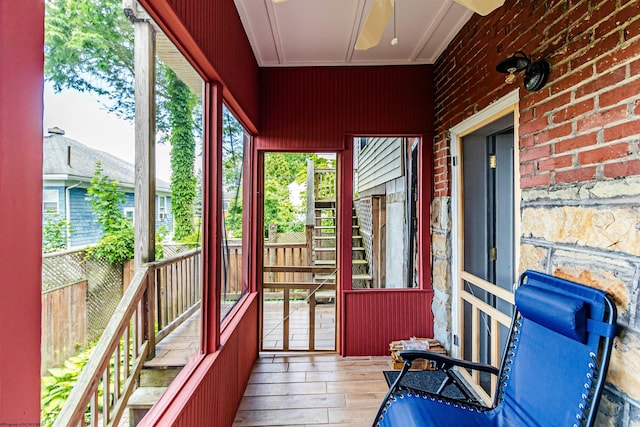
{"points": [[272, 330], [313, 389]]}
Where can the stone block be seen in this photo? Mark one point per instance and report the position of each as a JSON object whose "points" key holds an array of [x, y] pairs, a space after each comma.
{"points": [[441, 279], [600, 190], [533, 258], [441, 307], [618, 188], [440, 214], [611, 275], [612, 228], [439, 245], [625, 364], [634, 415], [611, 408]]}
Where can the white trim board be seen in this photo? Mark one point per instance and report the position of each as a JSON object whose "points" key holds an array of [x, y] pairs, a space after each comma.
{"points": [[465, 127]]}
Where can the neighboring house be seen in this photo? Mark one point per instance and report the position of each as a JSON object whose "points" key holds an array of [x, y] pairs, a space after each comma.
{"points": [[68, 167], [384, 169]]}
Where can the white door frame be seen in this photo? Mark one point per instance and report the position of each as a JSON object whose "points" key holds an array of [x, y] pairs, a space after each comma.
{"points": [[505, 105]]}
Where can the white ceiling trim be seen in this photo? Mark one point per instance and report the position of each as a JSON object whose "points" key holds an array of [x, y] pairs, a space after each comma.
{"points": [[300, 33]]}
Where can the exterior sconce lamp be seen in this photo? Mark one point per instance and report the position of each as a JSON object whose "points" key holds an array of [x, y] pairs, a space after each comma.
{"points": [[536, 73]]}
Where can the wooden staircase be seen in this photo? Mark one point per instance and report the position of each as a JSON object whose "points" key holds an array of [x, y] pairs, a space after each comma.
{"points": [[324, 249]]}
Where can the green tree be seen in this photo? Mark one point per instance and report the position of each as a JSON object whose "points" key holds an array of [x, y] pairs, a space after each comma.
{"points": [[232, 171], [89, 47], [54, 233], [117, 243], [183, 150]]}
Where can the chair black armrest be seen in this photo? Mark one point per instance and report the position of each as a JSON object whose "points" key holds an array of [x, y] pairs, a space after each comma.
{"points": [[446, 361]]}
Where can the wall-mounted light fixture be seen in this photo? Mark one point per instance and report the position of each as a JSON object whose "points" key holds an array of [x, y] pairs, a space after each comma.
{"points": [[536, 73]]}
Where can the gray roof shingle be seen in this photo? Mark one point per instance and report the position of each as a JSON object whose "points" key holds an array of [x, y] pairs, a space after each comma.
{"points": [[58, 149]]}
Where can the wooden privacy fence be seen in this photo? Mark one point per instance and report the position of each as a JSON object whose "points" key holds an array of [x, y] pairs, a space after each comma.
{"points": [[64, 323]]}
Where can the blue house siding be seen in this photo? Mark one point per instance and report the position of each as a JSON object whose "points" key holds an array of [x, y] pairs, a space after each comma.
{"points": [[167, 220], [86, 229]]}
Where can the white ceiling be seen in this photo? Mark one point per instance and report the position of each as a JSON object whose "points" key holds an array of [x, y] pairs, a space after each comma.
{"points": [[323, 32]]}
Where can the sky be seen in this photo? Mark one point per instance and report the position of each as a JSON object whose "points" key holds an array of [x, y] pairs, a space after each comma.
{"points": [[83, 118]]}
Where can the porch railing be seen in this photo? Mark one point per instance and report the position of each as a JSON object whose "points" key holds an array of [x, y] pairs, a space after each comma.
{"points": [[105, 384], [177, 290], [161, 295]]}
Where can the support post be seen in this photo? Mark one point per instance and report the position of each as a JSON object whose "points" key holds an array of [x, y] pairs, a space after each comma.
{"points": [[311, 214], [310, 194], [145, 164], [145, 132]]}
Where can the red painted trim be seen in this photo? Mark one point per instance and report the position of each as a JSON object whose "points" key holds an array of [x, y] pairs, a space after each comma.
{"points": [[425, 197], [211, 219], [345, 213], [21, 77]]}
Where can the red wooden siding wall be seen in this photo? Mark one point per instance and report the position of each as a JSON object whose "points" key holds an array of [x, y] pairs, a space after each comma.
{"points": [[21, 73], [314, 108], [374, 318]]}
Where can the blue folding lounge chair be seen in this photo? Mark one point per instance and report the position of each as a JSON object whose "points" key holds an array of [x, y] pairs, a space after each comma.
{"points": [[552, 372]]}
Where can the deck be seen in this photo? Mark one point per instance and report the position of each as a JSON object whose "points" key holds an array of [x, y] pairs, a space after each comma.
{"points": [[312, 390], [294, 389]]}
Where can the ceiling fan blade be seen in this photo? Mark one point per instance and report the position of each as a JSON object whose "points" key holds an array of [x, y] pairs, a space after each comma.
{"points": [[375, 24], [481, 7]]}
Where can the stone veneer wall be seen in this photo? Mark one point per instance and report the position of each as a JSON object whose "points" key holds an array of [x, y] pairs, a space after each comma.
{"points": [[579, 158]]}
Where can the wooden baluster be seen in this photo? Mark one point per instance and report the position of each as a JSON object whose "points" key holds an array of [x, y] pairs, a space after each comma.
{"points": [[94, 409], [117, 379], [105, 397], [127, 350], [312, 319], [285, 320]]}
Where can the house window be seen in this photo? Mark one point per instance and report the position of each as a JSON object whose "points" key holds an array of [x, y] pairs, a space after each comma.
{"points": [[162, 208], [129, 214], [50, 202]]}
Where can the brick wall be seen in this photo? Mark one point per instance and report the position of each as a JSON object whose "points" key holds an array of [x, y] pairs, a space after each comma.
{"points": [[579, 156]]}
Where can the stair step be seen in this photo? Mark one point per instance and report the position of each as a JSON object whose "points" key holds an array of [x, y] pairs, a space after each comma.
{"points": [[356, 237], [332, 227], [353, 277], [333, 261], [355, 248], [158, 376], [325, 296], [141, 400]]}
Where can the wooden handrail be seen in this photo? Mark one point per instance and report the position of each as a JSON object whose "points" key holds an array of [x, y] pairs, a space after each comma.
{"points": [[175, 258], [114, 343]]}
